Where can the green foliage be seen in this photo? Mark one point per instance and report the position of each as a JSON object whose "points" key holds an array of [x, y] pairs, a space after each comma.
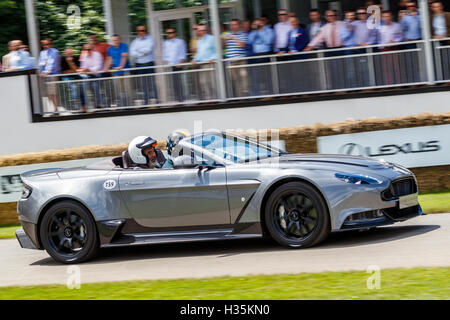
{"points": [[12, 18], [54, 17]]}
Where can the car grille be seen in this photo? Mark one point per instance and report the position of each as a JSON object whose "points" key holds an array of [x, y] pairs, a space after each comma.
{"points": [[398, 188]]}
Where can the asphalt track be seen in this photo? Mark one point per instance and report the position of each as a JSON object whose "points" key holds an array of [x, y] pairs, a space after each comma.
{"points": [[419, 242]]}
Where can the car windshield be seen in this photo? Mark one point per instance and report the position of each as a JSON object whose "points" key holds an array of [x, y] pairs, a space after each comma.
{"points": [[233, 148]]}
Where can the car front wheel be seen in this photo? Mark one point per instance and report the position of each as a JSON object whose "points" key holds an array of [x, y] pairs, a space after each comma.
{"points": [[68, 233], [296, 215]]}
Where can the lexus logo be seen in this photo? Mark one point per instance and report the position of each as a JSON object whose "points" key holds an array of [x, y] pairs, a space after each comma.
{"points": [[352, 149], [355, 149]]}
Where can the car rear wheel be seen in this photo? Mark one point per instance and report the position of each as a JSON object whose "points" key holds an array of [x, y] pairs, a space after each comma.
{"points": [[68, 233], [296, 215]]}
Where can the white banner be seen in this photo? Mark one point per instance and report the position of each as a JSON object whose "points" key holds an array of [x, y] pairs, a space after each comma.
{"points": [[11, 185], [409, 147]]}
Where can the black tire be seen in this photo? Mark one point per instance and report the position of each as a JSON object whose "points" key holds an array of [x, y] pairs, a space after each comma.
{"points": [[68, 233], [296, 215]]}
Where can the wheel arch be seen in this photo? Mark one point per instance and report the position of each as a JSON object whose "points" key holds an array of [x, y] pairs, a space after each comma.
{"points": [[49, 204], [279, 183]]}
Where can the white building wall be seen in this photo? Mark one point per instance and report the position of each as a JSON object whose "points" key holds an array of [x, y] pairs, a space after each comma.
{"points": [[18, 134]]}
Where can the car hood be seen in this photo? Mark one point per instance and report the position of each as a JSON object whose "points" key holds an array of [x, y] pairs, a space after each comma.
{"points": [[340, 163]]}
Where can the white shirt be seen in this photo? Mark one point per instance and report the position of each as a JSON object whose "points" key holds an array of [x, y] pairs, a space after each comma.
{"points": [[439, 26], [142, 48], [174, 50], [282, 34], [391, 33]]}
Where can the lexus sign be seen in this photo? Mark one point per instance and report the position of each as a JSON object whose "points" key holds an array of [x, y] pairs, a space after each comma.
{"points": [[410, 147]]}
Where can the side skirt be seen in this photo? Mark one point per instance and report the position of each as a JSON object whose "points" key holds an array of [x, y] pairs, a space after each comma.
{"points": [[117, 235]]}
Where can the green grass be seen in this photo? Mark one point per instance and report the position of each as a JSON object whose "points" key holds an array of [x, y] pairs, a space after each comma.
{"points": [[435, 202], [417, 283], [8, 232]]}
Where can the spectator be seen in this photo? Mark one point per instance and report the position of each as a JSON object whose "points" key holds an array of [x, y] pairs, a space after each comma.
{"points": [[235, 44], [70, 65], [101, 47], [117, 59], [298, 37], [91, 64], [174, 53], [329, 34], [390, 32], [6, 58], [49, 65], [348, 29], [363, 35], [439, 20], [294, 75], [246, 26], [411, 23], [19, 59], [194, 39], [206, 54], [117, 56], [261, 39], [282, 29], [316, 23], [142, 51]]}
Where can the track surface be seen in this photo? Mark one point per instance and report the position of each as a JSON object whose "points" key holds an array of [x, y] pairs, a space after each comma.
{"points": [[422, 241]]}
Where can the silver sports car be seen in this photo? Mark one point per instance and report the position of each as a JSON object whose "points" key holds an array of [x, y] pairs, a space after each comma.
{"points": [[220, 186]]}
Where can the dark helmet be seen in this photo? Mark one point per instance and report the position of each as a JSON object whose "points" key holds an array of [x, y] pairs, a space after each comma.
{"points": [[174, 138]]}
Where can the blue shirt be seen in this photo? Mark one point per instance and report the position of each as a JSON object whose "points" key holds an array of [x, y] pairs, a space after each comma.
{"points": [[174, 51], [49, 61], [206, 49], [411, 27], [21, 60], [234, 50], [347, 33], [116, 56], [142, 49], [261, 40]]}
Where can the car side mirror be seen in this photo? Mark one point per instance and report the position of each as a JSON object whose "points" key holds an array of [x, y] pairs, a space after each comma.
{"points": [[184, 162]]}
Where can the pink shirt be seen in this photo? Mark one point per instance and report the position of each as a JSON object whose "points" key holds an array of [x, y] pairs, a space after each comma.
{"points": [[329, 34], [93, 62]]}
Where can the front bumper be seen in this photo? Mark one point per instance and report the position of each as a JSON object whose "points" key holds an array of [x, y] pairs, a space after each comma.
{"points": [[382, 217], [24, 241]]}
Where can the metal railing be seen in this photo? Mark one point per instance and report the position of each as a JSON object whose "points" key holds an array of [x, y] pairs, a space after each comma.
{"points": [[129, 88], [442, 59], [320, 71]]}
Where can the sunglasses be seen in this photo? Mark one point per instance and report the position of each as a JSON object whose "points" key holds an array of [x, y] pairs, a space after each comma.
{"points": [[170, 32], [141, 30], [331, 15], [282, 14]]}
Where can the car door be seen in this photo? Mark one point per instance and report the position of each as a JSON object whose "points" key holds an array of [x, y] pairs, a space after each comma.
{"points": [[171, 198]]}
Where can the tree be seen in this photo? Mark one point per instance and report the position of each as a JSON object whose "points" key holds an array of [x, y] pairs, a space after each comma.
{"points": [[11, 12]]}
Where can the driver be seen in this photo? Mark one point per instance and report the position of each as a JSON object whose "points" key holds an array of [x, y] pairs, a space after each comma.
{"points": [[143, 153]]}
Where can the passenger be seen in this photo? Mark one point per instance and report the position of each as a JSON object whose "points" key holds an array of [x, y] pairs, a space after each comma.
{"points": [[143, 153], [172, 140]]}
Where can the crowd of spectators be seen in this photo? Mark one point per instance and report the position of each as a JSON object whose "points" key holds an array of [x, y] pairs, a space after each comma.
{"points": [[243, 39]]}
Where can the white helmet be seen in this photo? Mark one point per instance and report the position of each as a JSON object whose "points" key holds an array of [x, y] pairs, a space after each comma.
{"points": [[137, 146]]}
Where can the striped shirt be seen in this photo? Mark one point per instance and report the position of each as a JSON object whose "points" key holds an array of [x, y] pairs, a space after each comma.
{"points": [[232, 46]]}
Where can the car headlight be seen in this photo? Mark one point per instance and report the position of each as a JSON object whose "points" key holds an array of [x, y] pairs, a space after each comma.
{"points": [[26, 192], [356, 178]]}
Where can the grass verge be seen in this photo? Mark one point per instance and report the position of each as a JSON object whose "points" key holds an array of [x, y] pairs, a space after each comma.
{"points": [[435, 202], [416, 283], [8, 232]]}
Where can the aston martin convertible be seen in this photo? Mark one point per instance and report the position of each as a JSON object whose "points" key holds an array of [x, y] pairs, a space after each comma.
{"points": [[221, 186]]}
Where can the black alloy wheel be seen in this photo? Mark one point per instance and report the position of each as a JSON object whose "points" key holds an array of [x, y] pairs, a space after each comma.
{"points": [[296, 215], [68, 233]]}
